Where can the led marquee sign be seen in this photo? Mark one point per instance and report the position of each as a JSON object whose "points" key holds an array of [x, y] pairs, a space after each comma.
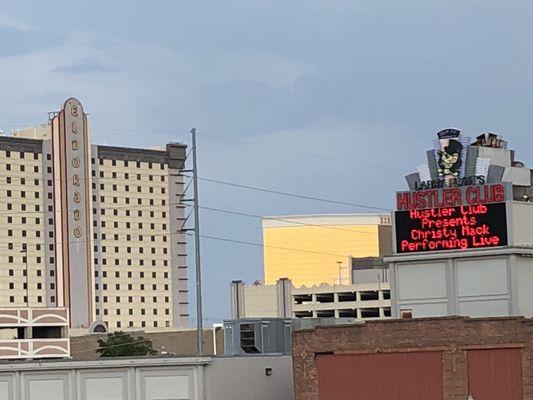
{"points": [[451, 228], [456, 201]]}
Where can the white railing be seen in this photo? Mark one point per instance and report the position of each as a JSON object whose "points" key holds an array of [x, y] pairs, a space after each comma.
{"points": [[34, 348], [16, 317]]}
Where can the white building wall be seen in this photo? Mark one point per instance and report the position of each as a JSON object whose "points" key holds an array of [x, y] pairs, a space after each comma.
{"points": [[244, 378], [205, 378]]}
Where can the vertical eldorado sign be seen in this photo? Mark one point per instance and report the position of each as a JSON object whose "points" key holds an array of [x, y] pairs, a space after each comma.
{"points": [[72, 239]]}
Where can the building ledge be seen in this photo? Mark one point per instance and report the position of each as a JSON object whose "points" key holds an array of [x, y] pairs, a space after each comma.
{"points": [[486, 252]]}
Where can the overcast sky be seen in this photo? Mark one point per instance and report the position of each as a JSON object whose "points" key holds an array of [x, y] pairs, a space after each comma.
{"points": [[337, 99]]}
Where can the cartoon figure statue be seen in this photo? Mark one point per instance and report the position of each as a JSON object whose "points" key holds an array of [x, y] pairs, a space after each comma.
{"points": [[450, 159]]}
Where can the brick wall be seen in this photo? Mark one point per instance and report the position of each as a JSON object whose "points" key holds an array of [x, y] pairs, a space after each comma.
{"points": [[454, 336]]}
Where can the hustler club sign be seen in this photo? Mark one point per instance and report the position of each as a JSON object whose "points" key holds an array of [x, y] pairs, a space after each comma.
{"points": [[451, 217]]}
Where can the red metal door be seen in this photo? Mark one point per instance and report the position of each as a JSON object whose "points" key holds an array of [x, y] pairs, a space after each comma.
{"points": [[391, 376], [495, 374]]}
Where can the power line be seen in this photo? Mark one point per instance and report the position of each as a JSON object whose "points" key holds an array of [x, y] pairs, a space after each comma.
{"points": [[296, 195], [236, 241], [221, 210]]}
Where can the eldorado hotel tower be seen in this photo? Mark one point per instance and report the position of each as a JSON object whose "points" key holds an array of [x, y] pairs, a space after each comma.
{"points": [[95, 229]]}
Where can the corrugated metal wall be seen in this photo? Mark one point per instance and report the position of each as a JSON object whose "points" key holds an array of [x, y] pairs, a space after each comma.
{"points": [[495, 374], [391, 376]]}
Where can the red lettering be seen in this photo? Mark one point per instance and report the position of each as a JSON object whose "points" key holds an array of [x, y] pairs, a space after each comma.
{"points": [[403, 201]]}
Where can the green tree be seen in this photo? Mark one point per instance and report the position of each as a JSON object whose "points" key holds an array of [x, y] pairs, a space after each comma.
{"points": [[122, 344]]}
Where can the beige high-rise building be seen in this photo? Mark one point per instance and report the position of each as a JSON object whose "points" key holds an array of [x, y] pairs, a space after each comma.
{"points": [[95, 229]]}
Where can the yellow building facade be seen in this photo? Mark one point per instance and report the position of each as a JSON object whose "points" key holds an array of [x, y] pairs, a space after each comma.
{"points": [[315, 249]]}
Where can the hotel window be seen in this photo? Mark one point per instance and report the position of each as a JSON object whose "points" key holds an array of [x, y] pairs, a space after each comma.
{"points": [[101, 173], [150, 177], [130, 311], [155, 324], [8, 179], [162, 178], [21, 154], [36, 181], [138, 164], [11, 299], [102, 186], [23, 168], [8, 167], [9, 193], [39, 299], [53, 300]]}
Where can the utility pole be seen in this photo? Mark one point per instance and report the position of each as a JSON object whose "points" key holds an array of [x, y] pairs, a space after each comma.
{"points": [[199, 328]]}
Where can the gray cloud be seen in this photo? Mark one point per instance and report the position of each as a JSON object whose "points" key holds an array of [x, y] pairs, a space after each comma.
{"points": [[364, 83]]}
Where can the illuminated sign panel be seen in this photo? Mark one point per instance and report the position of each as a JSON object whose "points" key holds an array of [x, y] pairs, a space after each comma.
{"points": [[456, 199], [450, 197], [451, 228]]}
